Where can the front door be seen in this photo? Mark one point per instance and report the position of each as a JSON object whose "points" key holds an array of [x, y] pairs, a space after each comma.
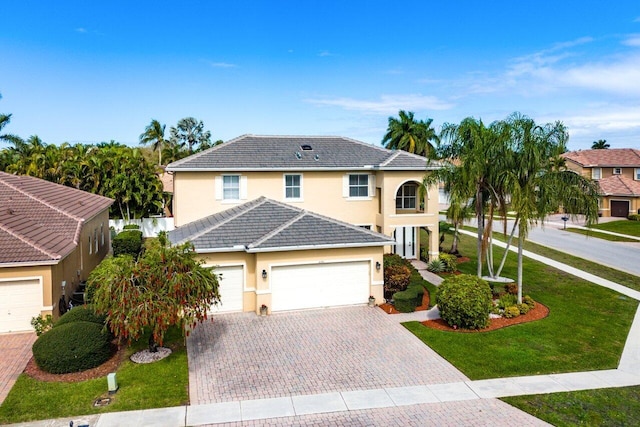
{"points": [[405, 242]]}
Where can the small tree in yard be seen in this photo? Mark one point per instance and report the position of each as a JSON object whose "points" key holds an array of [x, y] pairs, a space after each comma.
{"points": [[166, 286]]}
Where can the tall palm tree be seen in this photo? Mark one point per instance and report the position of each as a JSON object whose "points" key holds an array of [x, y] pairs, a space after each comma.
{"points": [[190, 132], [154, 134], [408, 134], [600, 144]]}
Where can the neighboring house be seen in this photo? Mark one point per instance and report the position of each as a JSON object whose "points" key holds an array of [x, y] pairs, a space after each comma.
{"points": [[297, 191], [51, 237], [617, 171]]}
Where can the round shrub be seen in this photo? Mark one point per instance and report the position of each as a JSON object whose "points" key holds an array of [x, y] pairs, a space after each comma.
{"points": [[396, 277], [465, 301], [72, 347], [511, 312], [81, 314], [529, 301], [524, 308], [450, 262]]}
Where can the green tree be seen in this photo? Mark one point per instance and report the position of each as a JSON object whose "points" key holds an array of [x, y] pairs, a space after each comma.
{"points": [[154, 135], [600, 144], [408, 134], [190, 133], [166, 286]]}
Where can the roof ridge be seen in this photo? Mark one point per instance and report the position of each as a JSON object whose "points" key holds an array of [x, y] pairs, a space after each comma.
{"points": [[277, 230], [346, 224], [49, 205], [391, 158], [29, 242], [201, 153]]}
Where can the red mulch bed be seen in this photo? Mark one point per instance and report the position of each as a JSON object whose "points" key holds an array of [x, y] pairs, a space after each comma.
{"points": [[540, 311], [390, 309]]}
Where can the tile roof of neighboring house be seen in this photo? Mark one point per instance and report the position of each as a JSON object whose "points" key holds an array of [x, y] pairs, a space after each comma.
{"points": [[618, 185], [41, 221], [258, 152], [267, 225], [611, 157]]}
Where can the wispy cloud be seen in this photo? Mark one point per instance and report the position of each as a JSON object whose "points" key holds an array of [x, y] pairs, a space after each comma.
{"points": [[637, 19], [221, 64], [81, 30], [387, 104], [324, 53], [632, 40]]}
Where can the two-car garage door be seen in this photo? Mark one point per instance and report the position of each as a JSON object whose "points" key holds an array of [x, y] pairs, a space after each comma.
{"points": [[20, 300], [296, 287]]}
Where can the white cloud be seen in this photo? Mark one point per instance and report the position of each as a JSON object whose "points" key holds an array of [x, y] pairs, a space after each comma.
{"points": [[387, 104], [221, 64], [324, 53], [81, 30], [632, 40]]}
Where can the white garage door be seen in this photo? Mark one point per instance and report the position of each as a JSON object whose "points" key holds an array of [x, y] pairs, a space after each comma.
{"points": [[319, 285], [20, 300], [231, 289]]}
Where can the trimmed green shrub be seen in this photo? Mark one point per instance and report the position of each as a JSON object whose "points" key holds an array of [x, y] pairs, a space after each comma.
{"points": [[407, 301], [81, 314], [507, 300], [131, 227], [465, 301], [528, 301], [72, 347], [524, 308], [128, 242], [634, 217], [393, 259], [436, 266], [511, 312], [450, 262]]}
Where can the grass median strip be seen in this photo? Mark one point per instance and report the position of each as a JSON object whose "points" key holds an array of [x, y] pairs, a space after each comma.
{"points": [[632, 228], [603, 236]]}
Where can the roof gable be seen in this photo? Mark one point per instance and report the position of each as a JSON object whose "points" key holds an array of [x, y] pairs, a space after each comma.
{"points": [[618, 185], [259, 152]]}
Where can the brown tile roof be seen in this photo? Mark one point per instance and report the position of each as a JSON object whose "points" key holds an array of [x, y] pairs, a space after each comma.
{"points": [[41, 221], [618, 185], [615, 157]]}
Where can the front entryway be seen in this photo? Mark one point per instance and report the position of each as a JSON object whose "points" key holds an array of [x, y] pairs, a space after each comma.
{"points": [[620, 208], [333, 284], [405, 242]]}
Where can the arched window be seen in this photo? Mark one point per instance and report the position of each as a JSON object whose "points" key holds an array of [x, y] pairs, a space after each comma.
{"points": [[406, 196]]}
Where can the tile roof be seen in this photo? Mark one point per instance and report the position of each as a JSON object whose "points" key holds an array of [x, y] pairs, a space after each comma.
{"points": [[40, 221], [618, 185], [260, 152], [267, 225], [613, 157]]}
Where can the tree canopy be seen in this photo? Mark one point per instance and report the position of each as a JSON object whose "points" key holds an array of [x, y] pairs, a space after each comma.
{"points": [[600, 144], [190, 133], [408, 134]]}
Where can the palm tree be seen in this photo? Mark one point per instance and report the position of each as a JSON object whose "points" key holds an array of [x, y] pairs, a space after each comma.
{"points": [[154, 134], [410, 135], [190, 132], [600, 144]]}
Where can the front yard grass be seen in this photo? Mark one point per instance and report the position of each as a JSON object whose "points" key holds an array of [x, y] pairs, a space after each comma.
{"points": [[586, 328], [603, 236], [142, 386], [631, 228], [604, 407]]}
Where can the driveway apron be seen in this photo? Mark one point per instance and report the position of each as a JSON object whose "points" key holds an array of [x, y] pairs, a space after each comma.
{"points": [[15, 352], [243, 356]]}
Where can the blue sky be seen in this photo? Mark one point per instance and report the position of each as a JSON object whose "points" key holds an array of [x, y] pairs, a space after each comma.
{"points": [[84, 71]]}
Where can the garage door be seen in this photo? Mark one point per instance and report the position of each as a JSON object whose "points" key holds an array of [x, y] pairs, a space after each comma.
{"points": [[319, 285], [620, 208], [231, 289], [20, 300]]}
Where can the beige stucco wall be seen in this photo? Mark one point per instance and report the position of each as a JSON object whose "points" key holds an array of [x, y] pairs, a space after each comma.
{"points": [[605, 204]]}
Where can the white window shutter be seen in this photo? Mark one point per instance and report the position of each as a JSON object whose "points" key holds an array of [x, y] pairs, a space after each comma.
{"points": [[345, 185], [243, 188], [218, 188], [372, 185]]}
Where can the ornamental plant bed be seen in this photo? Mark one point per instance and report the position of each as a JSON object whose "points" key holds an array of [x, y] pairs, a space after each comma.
{"points": [[390, 309], [540, 311]]}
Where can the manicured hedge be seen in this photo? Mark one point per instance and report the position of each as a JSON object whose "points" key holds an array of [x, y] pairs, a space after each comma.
{"points": [[127, 242], [634, 217], [72, 347], [465, 301], [81, 314]]}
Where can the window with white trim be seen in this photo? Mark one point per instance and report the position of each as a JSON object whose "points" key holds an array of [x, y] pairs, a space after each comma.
{"points": [[293, 186], [359, 185], [637, 174], [406, 196], [617, 171], [230, 187], [596, 173]]}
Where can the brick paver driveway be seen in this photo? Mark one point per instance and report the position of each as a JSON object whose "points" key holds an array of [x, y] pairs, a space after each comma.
{"points": [[15, 352], [243, 356]]}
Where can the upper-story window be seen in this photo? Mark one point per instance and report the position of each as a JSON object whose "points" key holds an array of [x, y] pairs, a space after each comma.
{"points": [[596, 173], [637, 174], [406, 197], [293, 187], [358, 185], [230, 187], [617, 171]]}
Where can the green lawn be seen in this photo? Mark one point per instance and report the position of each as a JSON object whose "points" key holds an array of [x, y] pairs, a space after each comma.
{"points": [[142, 386], [631, 228], [604, 407], [585, 330], [597, 235]]}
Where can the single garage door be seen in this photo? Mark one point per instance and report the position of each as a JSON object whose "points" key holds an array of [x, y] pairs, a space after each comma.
{"points": [[620, 208], [20, 300], [231, 288], [296, 287]]}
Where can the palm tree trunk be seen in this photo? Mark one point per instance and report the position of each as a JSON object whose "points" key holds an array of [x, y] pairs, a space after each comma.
{"points": [[479, 217], [520, 246]]}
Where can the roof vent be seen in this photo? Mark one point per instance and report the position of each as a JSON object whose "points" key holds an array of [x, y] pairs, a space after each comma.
{"points": [[298, 155], [306, 147], [316, 157]]}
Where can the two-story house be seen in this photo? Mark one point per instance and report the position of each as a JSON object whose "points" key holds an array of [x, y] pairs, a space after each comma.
{"points": [[617, 171], [51, 238], [302, 221]]}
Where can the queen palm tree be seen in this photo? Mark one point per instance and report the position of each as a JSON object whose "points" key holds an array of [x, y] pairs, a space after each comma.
{"points": [[408, 134], [600, 144], [154, 134]]}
